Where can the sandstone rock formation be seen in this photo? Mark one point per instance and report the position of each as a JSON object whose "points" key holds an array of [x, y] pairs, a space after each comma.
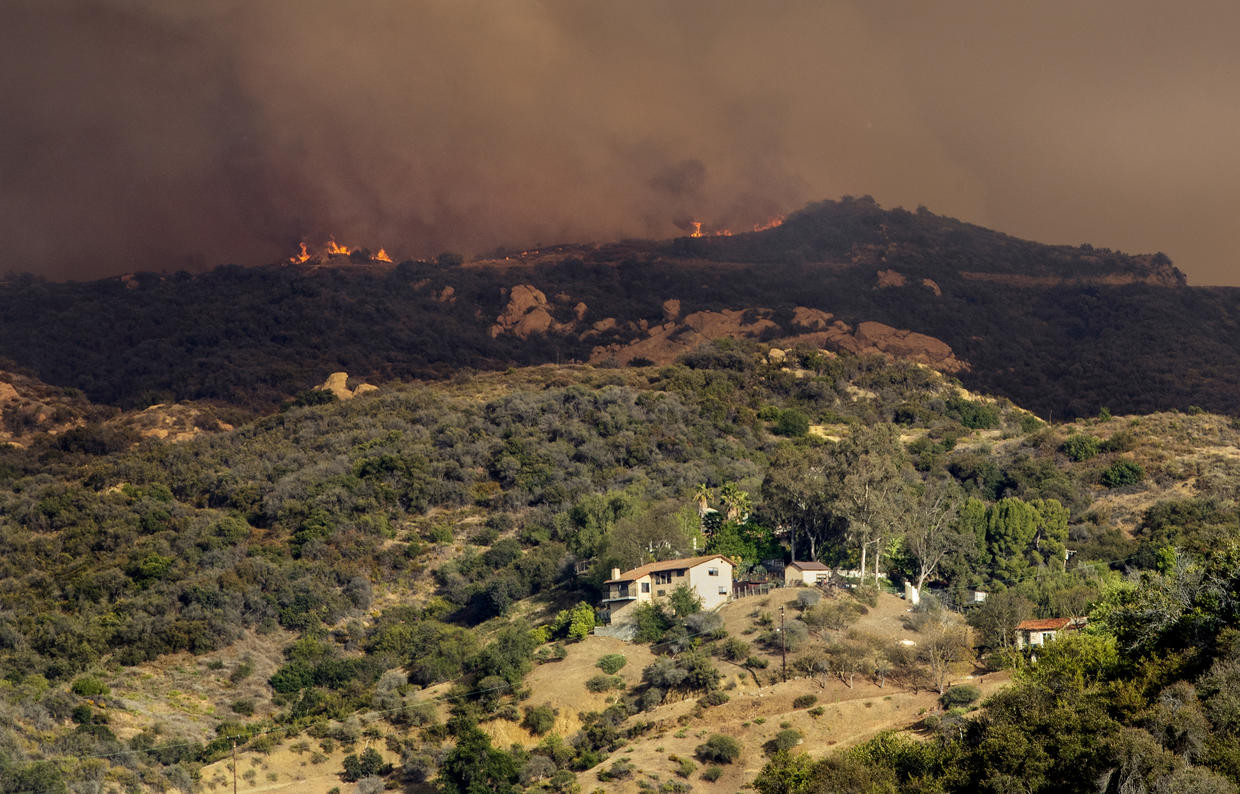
{"points": [[528, 312], [338, 384], [664, 343], [890, 278], [173, 423]]}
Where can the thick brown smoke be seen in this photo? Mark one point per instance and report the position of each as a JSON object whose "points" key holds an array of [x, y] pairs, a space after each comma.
{"points": [[145, 134]]}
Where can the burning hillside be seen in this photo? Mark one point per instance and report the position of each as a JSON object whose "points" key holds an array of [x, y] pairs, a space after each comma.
{"points": [[332, 252]]}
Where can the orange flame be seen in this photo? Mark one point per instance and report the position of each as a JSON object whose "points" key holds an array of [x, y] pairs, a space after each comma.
{"points": [[778, 220], [382, 256], [697, 229], [302, 257], [337, 250]]}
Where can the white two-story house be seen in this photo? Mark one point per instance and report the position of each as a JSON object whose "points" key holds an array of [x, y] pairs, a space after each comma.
{"points": [[710, 578]]}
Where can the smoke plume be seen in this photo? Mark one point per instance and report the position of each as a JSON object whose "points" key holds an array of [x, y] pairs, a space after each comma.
{"points": [[145, 134]]}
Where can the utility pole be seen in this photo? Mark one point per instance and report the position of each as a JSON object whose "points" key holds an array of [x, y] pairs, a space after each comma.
{"points": [[234, 743], [783, 646]]}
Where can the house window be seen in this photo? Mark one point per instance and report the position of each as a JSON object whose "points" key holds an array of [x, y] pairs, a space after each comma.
{"points": [[723, 590], [712, 571], [645, 587], [680, 572], [660, 592], [663, 577]]}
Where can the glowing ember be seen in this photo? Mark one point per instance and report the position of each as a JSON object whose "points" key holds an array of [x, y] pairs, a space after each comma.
{"points": [[337, 250], [302, 257], [382, 256]]}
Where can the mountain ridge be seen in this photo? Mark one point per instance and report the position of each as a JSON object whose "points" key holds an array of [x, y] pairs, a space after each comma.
{"points": [[1064, 330]]}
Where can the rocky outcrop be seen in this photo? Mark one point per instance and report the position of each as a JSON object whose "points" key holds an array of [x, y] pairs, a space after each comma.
{"points": [[890, 278], [338, 384], [662, 344], [872, 337], [528, 312], [174, 422]]}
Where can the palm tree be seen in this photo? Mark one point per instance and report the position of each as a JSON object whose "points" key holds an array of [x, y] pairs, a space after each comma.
{"points": [[736, 502], [701, 495]]}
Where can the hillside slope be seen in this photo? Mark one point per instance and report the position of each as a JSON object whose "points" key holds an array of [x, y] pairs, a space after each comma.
{"points": [[1061, 330]]}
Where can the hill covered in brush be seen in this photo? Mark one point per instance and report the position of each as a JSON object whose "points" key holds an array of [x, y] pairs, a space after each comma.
{"points": [[1063, 331], [379, 584]]}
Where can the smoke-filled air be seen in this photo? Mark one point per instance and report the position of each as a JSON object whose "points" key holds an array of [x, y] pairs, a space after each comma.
{"points": [[155, 135]]}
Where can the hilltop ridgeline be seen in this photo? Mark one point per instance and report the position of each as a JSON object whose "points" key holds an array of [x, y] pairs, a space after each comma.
{"points": [[1062, 330]]}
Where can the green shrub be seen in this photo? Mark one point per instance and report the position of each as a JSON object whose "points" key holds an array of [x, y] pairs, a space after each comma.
{"points": [[684, 767], [804, 701], [611, 663], [733, 649], [617, 771], [715, 698], [538, 719], [602, 683], [1081, 447], [367, 764], [89, 686], [712, 773], [961, 695], [1122, 473], [792, 423], [718, 749], [784, 740]]}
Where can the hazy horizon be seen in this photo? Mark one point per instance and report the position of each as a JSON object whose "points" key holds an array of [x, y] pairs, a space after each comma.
{"points": [[150, 136]]}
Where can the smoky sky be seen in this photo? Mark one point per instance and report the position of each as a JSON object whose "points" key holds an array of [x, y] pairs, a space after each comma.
{"points": [[158, 135]]}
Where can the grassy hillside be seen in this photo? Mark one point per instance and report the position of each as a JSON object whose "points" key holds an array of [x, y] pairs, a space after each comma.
{"points": [[393, 580]]}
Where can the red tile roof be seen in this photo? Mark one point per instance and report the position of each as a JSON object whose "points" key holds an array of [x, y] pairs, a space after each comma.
{"points": [[809, 566], [1044, 624], [666, 565]]}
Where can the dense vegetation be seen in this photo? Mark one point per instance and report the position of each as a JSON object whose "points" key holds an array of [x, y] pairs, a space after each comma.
{"points": [[254, 336], [486, 512]]}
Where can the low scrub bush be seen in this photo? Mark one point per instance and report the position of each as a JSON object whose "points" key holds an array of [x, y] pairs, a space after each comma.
{"points": [[804, 701], [960, 695], [718, 749], [611, 663]]}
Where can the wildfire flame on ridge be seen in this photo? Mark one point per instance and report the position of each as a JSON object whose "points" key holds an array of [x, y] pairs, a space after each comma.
{"points": [[778, 220], [332, 248]]}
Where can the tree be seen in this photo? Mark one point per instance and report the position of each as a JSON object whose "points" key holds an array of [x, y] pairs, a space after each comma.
{"points": [[795, 498], [995, 618], [785, 773], [940, 645], [475, 767], [736, 503], [684, 601], [701, 497], [872, 487], [931, 531]]}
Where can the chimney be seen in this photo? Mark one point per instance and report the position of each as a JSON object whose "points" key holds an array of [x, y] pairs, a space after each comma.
{"points": [[615, 573]]}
